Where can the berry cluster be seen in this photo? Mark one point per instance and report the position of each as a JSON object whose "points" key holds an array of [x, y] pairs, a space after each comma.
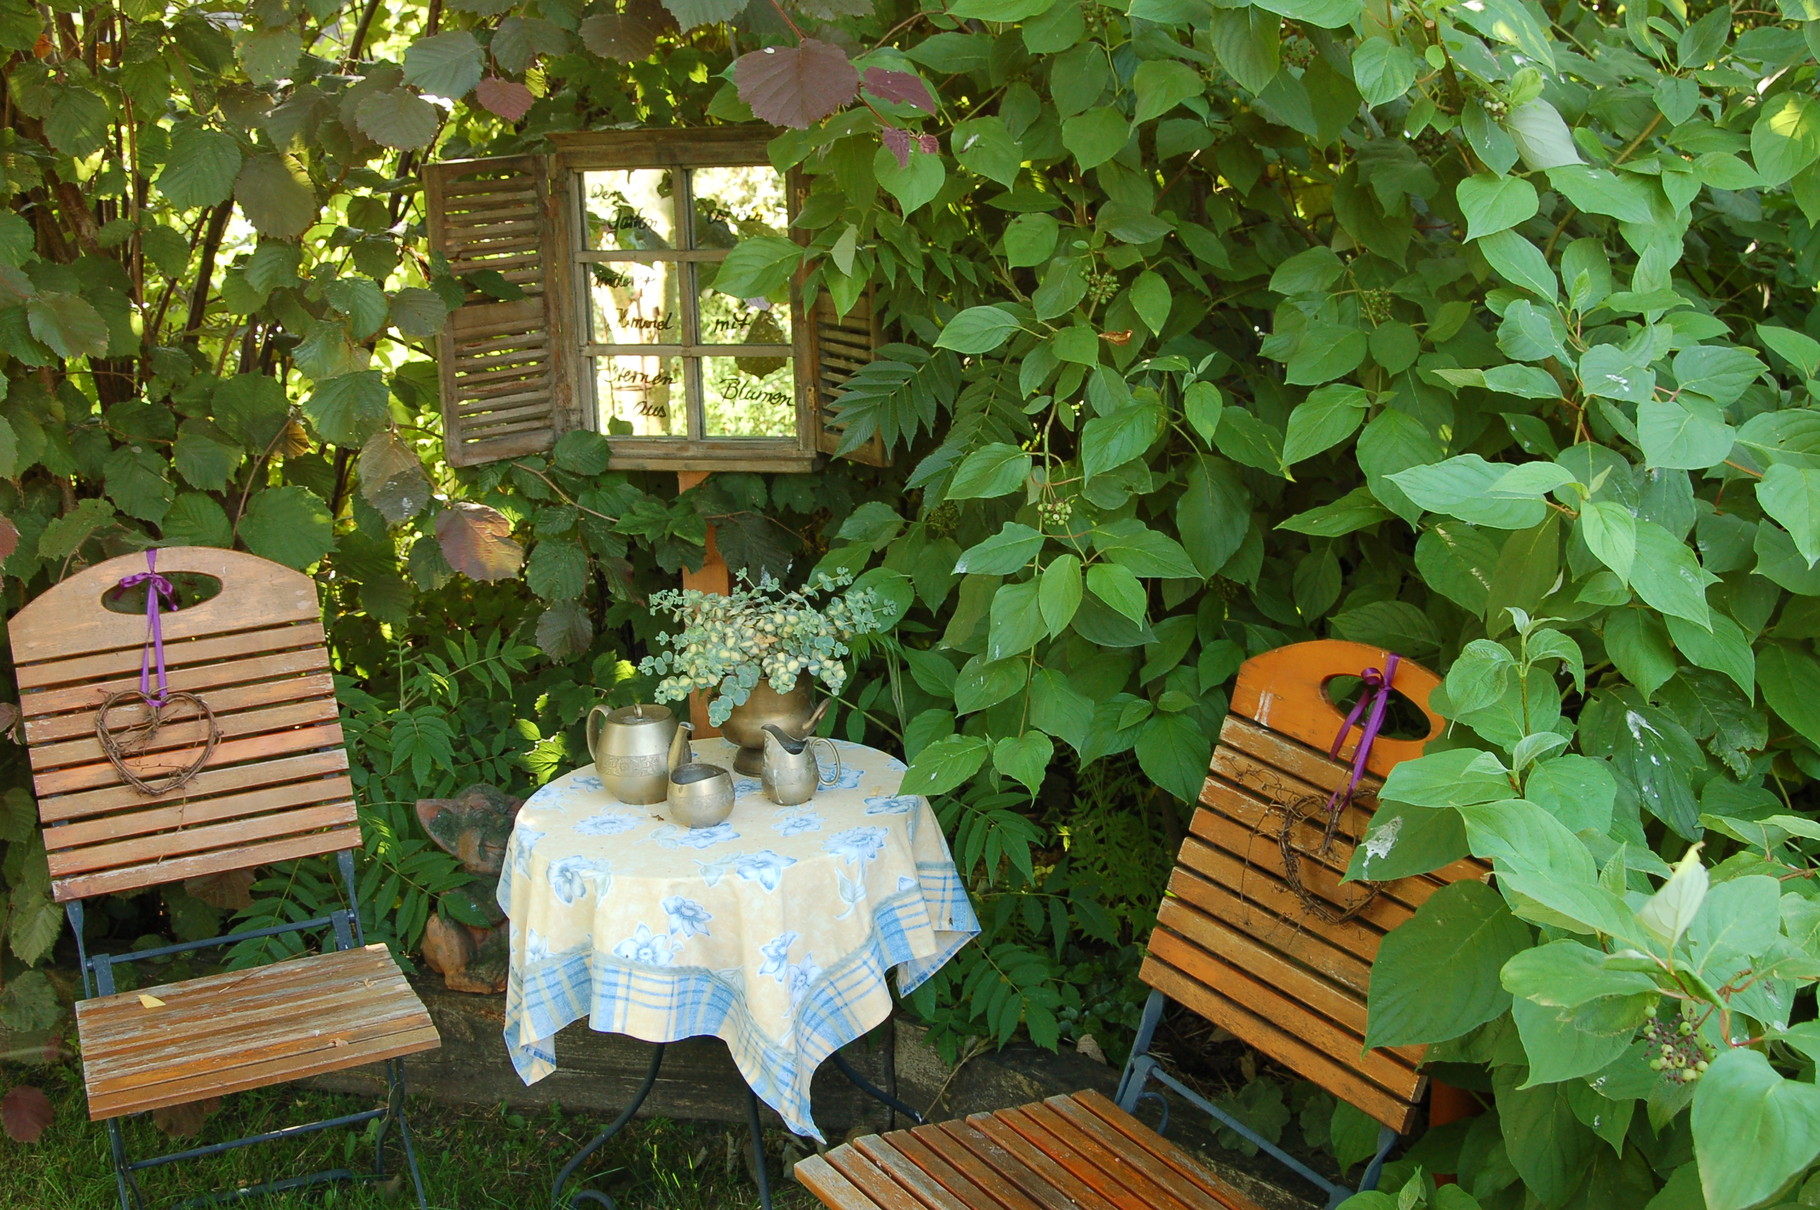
{"points": [[1681, 1056], [1054, 513], [1101, 287], [1375, 304], [942, 519]]}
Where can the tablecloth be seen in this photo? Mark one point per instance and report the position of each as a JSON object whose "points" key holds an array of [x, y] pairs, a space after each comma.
{"points": [[772, 930]]}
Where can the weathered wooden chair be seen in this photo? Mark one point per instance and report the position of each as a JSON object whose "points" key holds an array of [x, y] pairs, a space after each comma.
{"points": [[1277, 954], [246, 768]]}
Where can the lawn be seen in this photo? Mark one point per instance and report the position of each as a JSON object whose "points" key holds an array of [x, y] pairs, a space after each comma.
{"points": [[472, 1157]]}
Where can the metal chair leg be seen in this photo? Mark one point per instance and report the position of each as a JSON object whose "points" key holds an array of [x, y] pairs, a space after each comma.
{"points": [[759, 1171], [125, 1182], [396, 1112]]}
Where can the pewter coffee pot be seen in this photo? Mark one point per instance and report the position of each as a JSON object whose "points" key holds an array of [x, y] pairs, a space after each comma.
{"points": [[634, 749], [790, 774]]}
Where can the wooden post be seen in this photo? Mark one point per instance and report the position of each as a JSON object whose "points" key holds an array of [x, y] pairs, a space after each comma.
{"points": [[713, 577]]}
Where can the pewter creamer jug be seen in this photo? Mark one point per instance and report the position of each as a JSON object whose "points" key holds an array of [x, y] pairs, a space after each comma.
{"points": [[789, 774], [632, 750]]}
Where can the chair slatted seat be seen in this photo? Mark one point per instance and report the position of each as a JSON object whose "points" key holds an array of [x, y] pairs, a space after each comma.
{"points": [[1276, 952], [273, 787]]}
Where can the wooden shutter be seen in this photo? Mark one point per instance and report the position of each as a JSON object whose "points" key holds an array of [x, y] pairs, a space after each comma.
{"points": [[839, 347], [505, 391]]}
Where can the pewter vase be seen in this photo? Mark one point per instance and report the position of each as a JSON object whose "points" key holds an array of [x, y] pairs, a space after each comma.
{"points": [[746, 725]]}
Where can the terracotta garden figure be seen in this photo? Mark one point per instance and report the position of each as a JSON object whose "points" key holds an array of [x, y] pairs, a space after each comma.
{"points": [[474, 826]]}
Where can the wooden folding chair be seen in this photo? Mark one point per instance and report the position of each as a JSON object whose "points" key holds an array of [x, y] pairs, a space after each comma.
{"points": [[270, 784], [1277, 954]]}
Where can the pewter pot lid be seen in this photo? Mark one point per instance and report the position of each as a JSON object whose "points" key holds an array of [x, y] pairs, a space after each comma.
{"points": [[632, 716]]}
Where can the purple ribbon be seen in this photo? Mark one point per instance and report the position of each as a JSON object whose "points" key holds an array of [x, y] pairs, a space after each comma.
{"points": [[1377, 692], [156, 585]]}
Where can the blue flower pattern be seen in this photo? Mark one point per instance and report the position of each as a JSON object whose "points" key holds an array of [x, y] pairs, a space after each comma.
{"points": [[652, 949], [607, 823], [570, 877], [687, 917], [794, 821], [670, 836], [777, 955], [860, 844], [764, 867], [897, 804]]}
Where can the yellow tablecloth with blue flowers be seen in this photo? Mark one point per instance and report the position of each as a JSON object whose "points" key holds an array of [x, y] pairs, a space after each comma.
{"points": [[772, 930]]}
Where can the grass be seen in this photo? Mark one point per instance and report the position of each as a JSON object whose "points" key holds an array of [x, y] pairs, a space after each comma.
{"points": [[472, 1157]]}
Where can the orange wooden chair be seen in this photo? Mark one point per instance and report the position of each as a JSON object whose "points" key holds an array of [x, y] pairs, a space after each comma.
{"points": [[266, 781], [1277, 953]]}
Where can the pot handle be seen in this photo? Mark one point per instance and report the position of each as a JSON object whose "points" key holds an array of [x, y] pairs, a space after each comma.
{"points": [[832, 751], [594, 731]]}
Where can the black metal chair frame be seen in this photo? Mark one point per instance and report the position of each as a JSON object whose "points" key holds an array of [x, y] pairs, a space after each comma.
{"points": [[98, 980], [1143, 1067]]}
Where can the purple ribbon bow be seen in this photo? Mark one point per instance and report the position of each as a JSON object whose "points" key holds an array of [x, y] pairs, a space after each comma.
{"points": [[156, 586], [1377, 692]]}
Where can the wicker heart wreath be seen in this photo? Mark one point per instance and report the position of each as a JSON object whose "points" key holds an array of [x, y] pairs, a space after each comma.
{"points": [[133, 740]]}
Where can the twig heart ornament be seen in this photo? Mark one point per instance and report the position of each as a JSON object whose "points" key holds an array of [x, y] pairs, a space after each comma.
{"points": [[133, 739]]}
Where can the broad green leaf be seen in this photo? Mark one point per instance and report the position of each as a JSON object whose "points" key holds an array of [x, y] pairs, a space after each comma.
{"points": [[1436, 975], [758, 266], [1718, 372], [288, 525], [1151, 299], [1145, 552], [1576, 790], [1161, 85], [348, 409], [1543, 1139], [1541, 137], [1610, 532], [1096, 136], [914, 184], [270, 55], [1025, 757], [944, 764], [983, 145], [1328, 14], [1111, 441], [1559, 1047], [1354, 511], [1791, 495], [1671, 909], [557, 570], [999, 10], [1725, 648], [1785, 138], [1059, 594], [1524, 839], [1248, 43], [1668, 577], [1029, 239], [1327, 417], [277, 197], [1016, 621], [1788, 677], [1325, 353], [1173, 752], [1602, 191], [1511, 22], [1310, 271], [1567, 974], [1460, 487], [1753, 1130], [446, 65], [1520, 263], [1402, 840], [68, 324], [1009, 550], [201, 168], [1447, 779], [1686, 433], [196, 519], [1383, 70], [395, 117], [1797, 348], [980, 329], [1118, 587], [1615, 373], [991, 470], [77, 124], [983, 682], [1214, 515], [1493, 203]]}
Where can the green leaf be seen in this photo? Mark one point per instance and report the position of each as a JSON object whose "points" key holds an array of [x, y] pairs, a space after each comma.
{"points": [[983, 145], [1016, 621], [991, 470], [1521, 263], [1383, 70], [1214, 515], [1725, 649], [1096, 136], [201, 168], [1436, 975], [1161, 85], [1685, 433], [1059, 594], [68, 324], [195, 519], [446, 65], [999, 10], [138, 481], [1328, 14], [1753, 1130], [1785, 138], [1576, 790], [1248, 45], [1009, 550], [289, 525], [1025, 757], [1118, 587], [1151, 299], [692, 13], [982, 683], [1029, 239], [1173, 752], [1202, 405], [1111, 441], [978, 329], [1668, 577], [64, 535], [1791, 495], [78, 121], [944, 764], [1602, 191], [270, 55], [275, 194], [1797, 348], [1493, 203], [1310, 271], [1454, 778], [557, 570], [362, 301], [1327, 417], [913, 184], [1718, 372], [1461, 487], [1610, 532], [758, 266], [1788, 676], [348, 409], [1325, 353], [201, 459], [1144, 551]]}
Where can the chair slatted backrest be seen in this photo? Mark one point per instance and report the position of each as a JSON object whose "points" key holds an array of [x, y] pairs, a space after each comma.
{"points": [[275, 786], [1236, 940]]}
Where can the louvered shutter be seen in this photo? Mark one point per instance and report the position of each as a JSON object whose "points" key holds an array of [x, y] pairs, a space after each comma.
{"points": [[505, 388], [839, 347]]}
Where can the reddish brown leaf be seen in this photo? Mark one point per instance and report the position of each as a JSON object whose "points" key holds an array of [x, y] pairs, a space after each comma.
{"points": [[477, 541], [9, 537], [904, 86], [25, 1112], [183, 1121], [391, 477], [628, 37], [928, 144], [507, 98], [230, 889], [897, 142], [796, 86]]}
